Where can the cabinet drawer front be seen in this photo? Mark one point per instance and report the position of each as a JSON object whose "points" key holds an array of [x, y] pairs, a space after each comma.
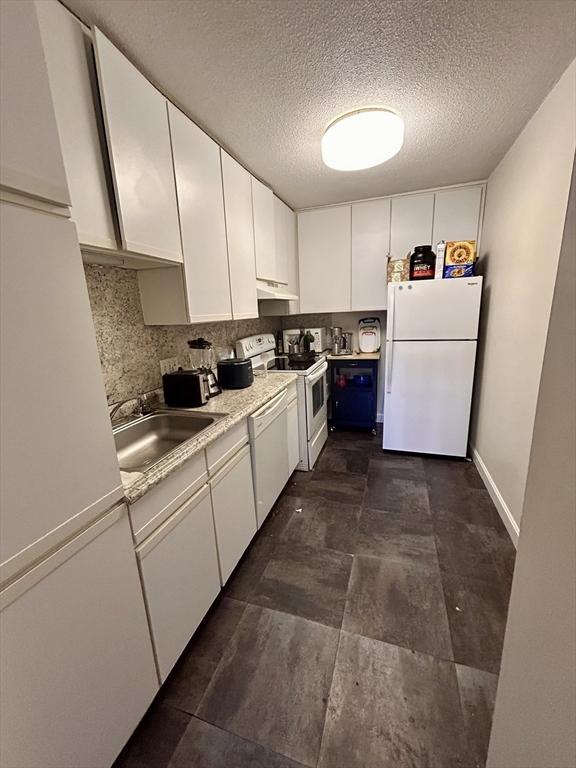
{"points": [[221, 451], [180, 574], [161, 501], [234, 511]]}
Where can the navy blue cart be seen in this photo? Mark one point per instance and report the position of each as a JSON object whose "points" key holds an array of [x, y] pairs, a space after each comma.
{"points": [[353, 394]]}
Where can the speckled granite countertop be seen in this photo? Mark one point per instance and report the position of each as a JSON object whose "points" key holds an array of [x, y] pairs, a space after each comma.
{"points": [[236, 403]]}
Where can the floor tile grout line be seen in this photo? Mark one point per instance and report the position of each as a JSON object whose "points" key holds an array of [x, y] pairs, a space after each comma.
{"points": [[249, 741], [328, 698]]}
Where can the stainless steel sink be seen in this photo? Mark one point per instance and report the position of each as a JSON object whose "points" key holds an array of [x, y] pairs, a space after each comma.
{"points": [[143, 441]]}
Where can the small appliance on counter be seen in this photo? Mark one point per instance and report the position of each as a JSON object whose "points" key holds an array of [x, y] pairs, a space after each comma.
{"points": [[235, 374], [203, 361], [185, 388], [341, 341], [320, 343], [369, 334]]}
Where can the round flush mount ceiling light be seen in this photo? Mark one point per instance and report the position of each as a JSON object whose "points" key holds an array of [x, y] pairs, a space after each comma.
{"points": [[362, 139]]}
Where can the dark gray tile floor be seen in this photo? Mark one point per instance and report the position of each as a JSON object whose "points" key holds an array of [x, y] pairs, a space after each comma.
{"points": [[363, 628]]}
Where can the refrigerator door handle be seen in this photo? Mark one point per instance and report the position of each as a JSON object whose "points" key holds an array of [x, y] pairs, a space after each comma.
{"points": [[390, 340], [389, 357]]}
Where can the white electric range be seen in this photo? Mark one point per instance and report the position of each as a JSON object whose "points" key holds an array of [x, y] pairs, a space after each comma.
{"points": [[311, 386]]}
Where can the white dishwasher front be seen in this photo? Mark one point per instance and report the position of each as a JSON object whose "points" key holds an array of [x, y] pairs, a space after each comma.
{"points": [[269, 446]]}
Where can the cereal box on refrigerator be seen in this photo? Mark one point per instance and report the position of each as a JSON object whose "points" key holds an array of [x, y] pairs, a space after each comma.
{"points": [[459, 258]]}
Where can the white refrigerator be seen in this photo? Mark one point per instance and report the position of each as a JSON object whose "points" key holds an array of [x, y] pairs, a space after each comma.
{"points": [[431, 339]]}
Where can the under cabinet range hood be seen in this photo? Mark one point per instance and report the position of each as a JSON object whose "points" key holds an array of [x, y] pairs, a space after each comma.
{"points": [[266, 289]]}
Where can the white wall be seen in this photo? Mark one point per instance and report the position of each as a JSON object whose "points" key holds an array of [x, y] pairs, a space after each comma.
{"points": [[535, 717], [524, 218]]}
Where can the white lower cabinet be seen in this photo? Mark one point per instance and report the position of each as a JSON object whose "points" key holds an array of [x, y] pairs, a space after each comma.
{"points": [[179, 566], [76, 664], [234, 510], [293, 436]]}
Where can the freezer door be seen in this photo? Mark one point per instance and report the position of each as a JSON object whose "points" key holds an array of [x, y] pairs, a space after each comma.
{"points": [[428, 395], [434, 309]]}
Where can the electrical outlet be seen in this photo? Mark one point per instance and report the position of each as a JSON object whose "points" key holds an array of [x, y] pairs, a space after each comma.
{"points": [[168, 365]]}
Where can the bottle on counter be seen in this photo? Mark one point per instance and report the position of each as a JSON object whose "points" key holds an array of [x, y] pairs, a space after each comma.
{"points": [[306, 341], [422, 263], [279, 343]]}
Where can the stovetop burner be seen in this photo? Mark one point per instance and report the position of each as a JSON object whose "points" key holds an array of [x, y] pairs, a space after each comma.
{"points": [[293, 363]]}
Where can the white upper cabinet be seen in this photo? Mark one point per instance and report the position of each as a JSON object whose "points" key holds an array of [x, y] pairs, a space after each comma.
{"points": [[457, 214], [370, 249], [240, 236], [284, 239], [30, 154], [324, 259], [201, 206], [139, 147], [68, 49], [264, 244], [411, 223]]}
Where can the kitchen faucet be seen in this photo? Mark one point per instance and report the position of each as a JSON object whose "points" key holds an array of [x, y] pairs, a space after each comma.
{"points": [[141, 406]]}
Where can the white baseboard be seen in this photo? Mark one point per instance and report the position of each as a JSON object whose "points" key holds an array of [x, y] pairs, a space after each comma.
{"points": [[497, 498]]}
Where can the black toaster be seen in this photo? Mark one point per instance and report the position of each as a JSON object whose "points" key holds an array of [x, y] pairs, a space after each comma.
{"points": [[185, 388], [235, 374]]}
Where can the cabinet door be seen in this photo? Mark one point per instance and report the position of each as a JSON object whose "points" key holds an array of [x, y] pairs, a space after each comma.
{"points": [[283, 221], [201, 206], [30, 154], [411, 223], [263, 211], [293, 436], [457, 214], [57, 449], [370, 249], [68, 49], [180, 573], [76, 659], [234, 510], [324, 259], [138, 136], [287, 259], [240, 235]]}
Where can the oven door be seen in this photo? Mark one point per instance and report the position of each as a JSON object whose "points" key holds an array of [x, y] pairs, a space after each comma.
{"points": [[316, 396]]}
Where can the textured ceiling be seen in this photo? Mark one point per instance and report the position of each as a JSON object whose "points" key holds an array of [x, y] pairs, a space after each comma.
{"points": [[264, 77]]}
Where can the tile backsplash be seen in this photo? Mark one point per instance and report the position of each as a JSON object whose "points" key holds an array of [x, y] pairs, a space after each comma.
{"points": [[130, 352]]}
